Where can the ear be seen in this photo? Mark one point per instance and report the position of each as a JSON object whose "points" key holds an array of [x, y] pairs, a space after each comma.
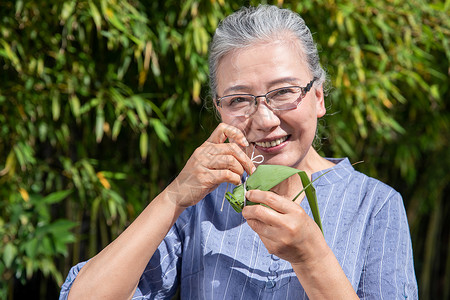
{"points": [[217, 110], [320, 101]]}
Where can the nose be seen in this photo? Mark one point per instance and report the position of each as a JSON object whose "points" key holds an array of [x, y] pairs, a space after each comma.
{"points": [[264, 117]]}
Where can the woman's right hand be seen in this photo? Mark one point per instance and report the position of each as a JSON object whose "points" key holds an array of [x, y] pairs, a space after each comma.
{"points": [[211, 164]]}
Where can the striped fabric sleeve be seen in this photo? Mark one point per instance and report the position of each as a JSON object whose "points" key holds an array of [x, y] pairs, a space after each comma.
{"points": [[388, 271], [160, 278], [65, 288]]}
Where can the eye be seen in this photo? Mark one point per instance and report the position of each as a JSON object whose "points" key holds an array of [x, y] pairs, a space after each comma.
{"points": [[284, 94], [284, 91], [238, 100]]}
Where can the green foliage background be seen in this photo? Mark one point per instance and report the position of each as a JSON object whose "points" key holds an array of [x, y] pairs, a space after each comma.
{"points": [[102, 102]]}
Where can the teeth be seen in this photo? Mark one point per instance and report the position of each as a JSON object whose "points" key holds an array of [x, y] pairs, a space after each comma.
{"points": [[272, 143]]}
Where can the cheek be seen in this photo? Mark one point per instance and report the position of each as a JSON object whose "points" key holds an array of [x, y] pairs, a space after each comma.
{"points": [[238, 122], [301, 120], [308, 112]]}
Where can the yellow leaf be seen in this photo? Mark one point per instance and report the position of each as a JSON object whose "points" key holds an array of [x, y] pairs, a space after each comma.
{"points": [[386, 102], [106, 127], [332, 39], [22, 112], [12, 56], [10, 165], [346, 80], [339, 18], [148, 55], [142, 77], [24, 194], [196, 91], [109, 13], [194, 9], [103, 180]]}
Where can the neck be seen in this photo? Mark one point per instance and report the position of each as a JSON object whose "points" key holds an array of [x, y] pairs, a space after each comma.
{"points": [[313, 162]]}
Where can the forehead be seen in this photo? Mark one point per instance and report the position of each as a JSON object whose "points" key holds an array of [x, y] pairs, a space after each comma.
{"points": [[259, 66]]}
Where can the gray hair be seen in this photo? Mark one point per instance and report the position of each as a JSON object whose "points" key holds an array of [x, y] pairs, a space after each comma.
{"points": [[251, 25]]}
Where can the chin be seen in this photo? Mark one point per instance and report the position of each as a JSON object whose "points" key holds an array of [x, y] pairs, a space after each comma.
{"points": [[281, 160]]}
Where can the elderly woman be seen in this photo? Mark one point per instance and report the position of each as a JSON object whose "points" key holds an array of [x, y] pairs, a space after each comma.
{"points": [[267, 85]]}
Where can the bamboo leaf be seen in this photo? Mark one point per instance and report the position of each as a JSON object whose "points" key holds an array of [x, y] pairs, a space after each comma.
{"points": [[56, 107], [266, 177], [139, 105], [310, 192], [9, 254], [196, 87], [67, 10], [75, 105], [56, 197], [143, 145], [99, 122], [19, 156], [61, 227], [95, 15], [161, 130], [116, 128], [132, 119]]}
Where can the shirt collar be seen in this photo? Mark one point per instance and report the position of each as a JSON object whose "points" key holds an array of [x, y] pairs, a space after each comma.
{"points": [[341, 170]]}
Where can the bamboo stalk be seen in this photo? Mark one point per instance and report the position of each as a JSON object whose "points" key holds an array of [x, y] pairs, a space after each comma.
{"points": [[431, 247], [446, 291]]}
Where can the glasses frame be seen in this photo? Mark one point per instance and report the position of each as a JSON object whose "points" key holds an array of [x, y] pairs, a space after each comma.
{"points": [[304, 91]]}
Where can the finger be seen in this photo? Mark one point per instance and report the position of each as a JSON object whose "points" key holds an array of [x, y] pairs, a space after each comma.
{"points": [[215, 150], [261, 228], [224, 131], [242, 157], [274, 201], [261, 215], [267, 229], [219, 176], [228, 162]]}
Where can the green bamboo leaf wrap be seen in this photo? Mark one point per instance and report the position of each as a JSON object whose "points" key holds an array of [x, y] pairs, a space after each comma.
{"points": [[310, 192], [266, 177]]}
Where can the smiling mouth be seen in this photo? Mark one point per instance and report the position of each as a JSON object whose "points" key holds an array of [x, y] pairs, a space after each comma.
{"points": [[273, 143]]}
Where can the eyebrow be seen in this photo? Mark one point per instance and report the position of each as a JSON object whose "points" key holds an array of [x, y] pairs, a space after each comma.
{"points": [[236, 88]]}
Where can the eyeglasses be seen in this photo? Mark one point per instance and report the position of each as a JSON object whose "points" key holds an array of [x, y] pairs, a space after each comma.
{"points": [[285, 98]]}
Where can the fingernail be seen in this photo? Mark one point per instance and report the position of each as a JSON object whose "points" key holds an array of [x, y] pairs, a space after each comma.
{"points": [[245, 142], [253, 169]]}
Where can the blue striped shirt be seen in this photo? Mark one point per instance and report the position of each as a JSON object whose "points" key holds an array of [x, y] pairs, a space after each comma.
{"points": [[214, 254]]}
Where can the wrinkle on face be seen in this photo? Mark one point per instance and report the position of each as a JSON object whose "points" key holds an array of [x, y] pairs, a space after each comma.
{"points": [[258, 69], [287, 39]]}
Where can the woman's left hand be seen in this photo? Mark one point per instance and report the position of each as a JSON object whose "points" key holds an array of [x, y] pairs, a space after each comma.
{"points": [[286, 230]]}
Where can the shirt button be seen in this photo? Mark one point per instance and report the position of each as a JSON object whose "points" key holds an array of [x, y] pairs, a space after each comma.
{"points": [[270, 284], [272, 276], [274, 257], [274, 266]]}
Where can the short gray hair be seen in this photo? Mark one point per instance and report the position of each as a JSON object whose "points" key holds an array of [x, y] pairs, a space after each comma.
{"points": [[251, 25]]}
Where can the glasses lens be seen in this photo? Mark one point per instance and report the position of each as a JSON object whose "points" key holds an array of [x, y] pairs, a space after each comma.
{"points": [[237, 105], [284, 98]]}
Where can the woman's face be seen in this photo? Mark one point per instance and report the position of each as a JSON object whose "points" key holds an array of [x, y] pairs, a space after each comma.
{"points": [[262, 68]]}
